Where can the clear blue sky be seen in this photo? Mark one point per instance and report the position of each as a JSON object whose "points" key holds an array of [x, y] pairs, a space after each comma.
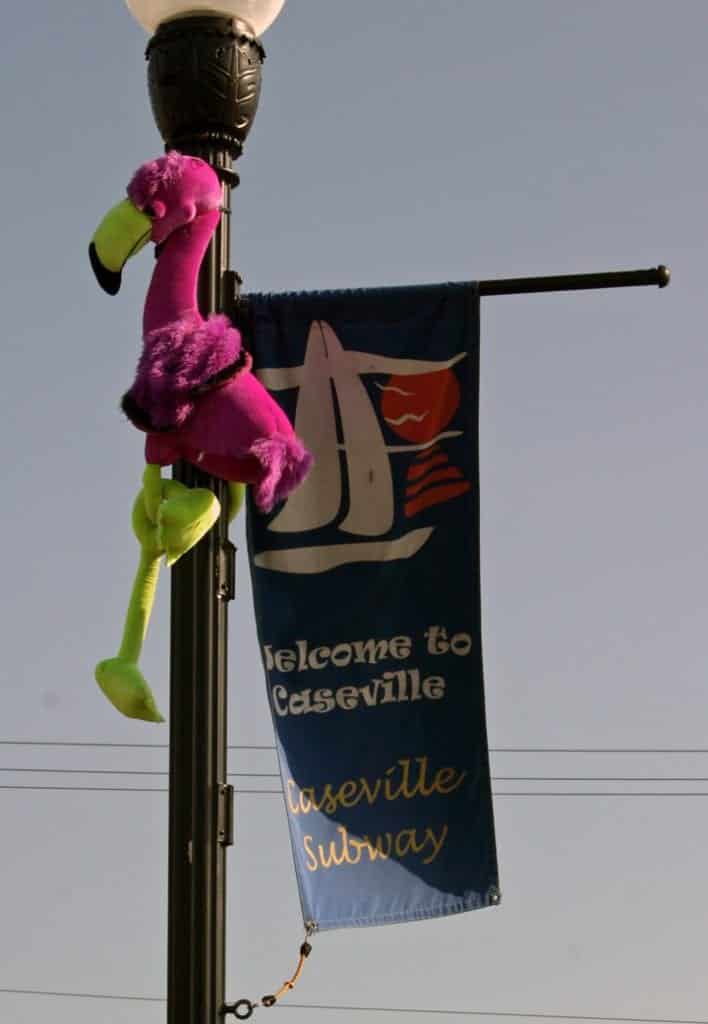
{"points": [[398, 141]]}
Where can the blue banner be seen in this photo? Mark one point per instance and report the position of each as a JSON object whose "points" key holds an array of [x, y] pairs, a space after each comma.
{"points": [[367, 593]]}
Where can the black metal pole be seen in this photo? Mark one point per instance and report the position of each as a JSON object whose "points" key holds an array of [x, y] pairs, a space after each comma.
{"points": [[659, 276], [204, 78]]}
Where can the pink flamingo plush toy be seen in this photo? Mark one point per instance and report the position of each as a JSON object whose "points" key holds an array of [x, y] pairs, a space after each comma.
{"points": [[193, 394]]}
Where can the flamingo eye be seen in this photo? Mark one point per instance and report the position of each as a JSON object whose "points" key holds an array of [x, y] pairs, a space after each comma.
{"points": [[155, 210]]}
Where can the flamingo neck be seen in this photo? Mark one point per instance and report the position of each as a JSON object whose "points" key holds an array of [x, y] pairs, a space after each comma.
{"points": [[173, 289]]}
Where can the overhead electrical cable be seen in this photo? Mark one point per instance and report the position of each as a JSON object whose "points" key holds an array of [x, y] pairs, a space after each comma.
{"points": [[247, 746], [516, 1015], [276, 775], [131, 771], [626, 794], [126, 746], [509, 1014]]}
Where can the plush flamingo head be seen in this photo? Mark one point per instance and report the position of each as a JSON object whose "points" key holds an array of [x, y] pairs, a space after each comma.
{"points": [[163, 195], [173, 190]]}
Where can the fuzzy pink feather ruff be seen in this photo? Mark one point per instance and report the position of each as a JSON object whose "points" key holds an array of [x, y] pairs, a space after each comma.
{"points": [[178, 362]]}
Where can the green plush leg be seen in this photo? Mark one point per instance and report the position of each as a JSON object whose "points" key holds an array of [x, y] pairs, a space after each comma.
{"points": [[184, 516], [169, 519], [152, 491], [120, 678], [237, 493]]}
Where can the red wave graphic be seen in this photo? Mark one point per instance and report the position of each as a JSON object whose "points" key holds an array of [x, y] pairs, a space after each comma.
{"points": [[417, 471], [437, 476], [435, 496]]}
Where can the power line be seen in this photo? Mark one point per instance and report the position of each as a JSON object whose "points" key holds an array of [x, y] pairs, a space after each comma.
{"points": [[494, 1013], [131, 771], [493, 750], [593, 778], [88, 789], [627, 794], [276, 775], [96, 995], [382, 1009], [123, 788], [599, 750], [156, 747]]}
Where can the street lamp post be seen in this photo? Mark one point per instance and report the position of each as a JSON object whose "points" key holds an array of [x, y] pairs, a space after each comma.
{"points": [[204, 74]]}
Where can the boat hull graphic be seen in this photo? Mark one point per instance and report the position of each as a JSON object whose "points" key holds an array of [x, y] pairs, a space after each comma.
{"points": [[311, 560]]}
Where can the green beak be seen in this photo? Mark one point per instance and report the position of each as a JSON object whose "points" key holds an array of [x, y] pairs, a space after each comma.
{"points": [[122, 232]]}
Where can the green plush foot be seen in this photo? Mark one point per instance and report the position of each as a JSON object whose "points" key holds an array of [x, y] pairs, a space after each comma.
{"points": [[184, 516], [124, 684]]}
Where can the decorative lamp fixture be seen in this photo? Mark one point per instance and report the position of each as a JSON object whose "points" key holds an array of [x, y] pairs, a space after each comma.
{"points": [[204, 72]]}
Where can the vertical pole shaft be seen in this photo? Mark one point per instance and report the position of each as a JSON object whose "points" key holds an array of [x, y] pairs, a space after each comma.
{"points": [[199, 795]]}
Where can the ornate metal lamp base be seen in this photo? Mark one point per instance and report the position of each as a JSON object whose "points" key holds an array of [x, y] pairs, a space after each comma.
{"points": [[204, 77]]}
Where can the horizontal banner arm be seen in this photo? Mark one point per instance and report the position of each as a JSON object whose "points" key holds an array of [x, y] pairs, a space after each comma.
{"points": [[659, 276]]}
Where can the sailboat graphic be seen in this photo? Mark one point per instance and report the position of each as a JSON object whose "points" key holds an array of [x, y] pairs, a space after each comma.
{"points": [[329, 373]]}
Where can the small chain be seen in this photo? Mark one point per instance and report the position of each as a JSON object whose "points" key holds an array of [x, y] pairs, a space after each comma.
{"points": [[242, 1009]]}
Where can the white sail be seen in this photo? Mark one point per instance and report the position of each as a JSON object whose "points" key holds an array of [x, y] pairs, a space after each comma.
{"points": [[317, 500], [371, 501]]}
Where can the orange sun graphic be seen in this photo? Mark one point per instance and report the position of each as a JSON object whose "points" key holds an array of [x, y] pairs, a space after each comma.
{"points": [[419, 407]]}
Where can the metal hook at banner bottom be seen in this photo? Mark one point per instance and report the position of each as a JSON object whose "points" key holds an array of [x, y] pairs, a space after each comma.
{"points": [[242, 1009]]}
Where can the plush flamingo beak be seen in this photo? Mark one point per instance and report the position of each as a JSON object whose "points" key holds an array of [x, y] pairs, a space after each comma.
{"points": [[123, 231]]}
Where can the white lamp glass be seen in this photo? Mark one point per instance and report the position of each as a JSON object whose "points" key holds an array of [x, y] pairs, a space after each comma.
{"points": [[257, 14]]}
